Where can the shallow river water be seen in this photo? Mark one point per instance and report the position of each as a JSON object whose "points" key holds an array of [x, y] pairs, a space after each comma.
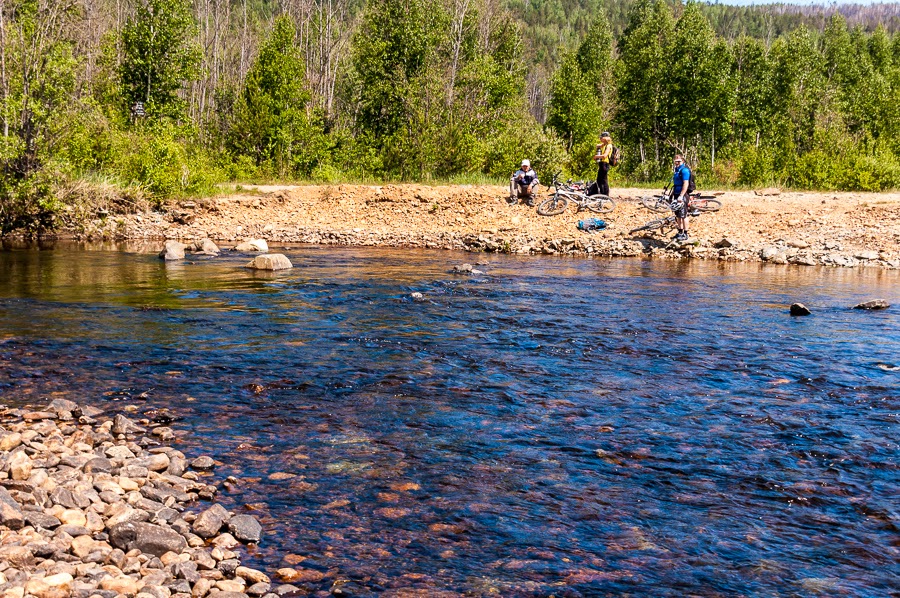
{"points": [[568, 427]]}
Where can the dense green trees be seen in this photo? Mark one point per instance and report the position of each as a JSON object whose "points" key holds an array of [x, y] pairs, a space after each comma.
{"points": [[424, 89], [159, 55]]}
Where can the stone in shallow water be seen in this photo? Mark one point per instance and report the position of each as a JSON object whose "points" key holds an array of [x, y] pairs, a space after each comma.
{"points": [[203, 462], [245, 528], [874, 304], [172, 251], [798, 309], [271, 261], [253, 245]]}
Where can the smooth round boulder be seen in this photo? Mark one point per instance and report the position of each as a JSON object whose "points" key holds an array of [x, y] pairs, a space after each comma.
{"points": [[172, 251], [270, 261], [253, 245]]}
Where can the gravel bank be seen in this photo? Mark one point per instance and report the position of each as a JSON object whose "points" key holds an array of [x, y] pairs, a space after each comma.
{"points": [[92, 505], [832, 229]]}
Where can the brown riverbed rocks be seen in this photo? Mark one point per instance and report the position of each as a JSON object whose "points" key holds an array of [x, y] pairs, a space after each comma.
{"points": [[802, 229], [95, 506]]}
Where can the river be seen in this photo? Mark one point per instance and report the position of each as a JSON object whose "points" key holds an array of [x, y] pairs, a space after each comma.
{"points": [[555, 426]]}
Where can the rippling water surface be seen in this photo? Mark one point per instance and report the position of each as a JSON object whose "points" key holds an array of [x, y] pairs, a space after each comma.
{"points": [[572, 427]]}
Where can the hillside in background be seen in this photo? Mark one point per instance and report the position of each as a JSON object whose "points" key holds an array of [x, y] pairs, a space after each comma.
{"points": [[551, 26]]}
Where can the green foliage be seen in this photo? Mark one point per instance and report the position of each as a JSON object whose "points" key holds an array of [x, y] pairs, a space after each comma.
{"points": [[270, 123], [39, 79], [441, 89], [582, 95], [159, 56]]}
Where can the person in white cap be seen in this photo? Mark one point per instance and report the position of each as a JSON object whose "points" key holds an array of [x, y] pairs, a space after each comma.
{"points": [[523, 183]]}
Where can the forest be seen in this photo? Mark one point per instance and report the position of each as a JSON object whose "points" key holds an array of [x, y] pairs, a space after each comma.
{"points": [[149, 100]]}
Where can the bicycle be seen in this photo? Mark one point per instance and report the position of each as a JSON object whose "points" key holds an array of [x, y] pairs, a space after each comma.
{"points": [[576, 193], [661, 224], [696, 202]]}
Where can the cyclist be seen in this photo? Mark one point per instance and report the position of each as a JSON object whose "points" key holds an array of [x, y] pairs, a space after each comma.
{"points": [[523, 183], [604, 151], [680, 182]]}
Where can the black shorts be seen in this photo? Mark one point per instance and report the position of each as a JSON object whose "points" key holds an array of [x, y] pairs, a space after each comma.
{"points": [[682, 210]]}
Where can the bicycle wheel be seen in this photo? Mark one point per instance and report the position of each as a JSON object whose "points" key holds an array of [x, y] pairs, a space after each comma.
{"points": [[652, 225], [706, 205], [601, 204], [553, 206], [655, 204]]}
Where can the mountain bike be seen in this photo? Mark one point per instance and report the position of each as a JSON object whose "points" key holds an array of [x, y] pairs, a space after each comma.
{"points": [[696, 202], [576, 193], [660, 224]]}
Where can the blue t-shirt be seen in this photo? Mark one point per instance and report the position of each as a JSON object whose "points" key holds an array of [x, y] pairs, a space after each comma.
{"points": [[680, 179]]}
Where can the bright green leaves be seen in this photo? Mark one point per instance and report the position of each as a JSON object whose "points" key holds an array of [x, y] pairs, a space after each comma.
{"points": [[581, 95], [270, 121], [159, 55]]}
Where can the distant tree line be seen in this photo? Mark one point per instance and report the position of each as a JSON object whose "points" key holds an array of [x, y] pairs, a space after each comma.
{"points": [[167, 98]]}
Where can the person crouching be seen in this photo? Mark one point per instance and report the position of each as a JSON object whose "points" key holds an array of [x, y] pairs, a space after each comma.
{"points": [[523, 184]]}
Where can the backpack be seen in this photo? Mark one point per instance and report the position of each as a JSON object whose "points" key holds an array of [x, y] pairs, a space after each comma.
{"points": [[692, 183], [591, 224], [615, 156]]}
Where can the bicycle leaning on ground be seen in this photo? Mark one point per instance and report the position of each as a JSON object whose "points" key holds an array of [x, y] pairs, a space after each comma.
{"points": [[574, 192], [697, 204]]}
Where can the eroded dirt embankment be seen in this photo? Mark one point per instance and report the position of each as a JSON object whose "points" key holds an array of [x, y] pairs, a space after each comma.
{"points": [[841, 229]]}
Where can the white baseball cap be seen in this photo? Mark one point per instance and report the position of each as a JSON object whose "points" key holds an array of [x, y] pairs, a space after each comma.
{"points": [[526, 163]]}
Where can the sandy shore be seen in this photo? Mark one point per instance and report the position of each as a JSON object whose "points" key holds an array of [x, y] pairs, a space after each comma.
{"points": [[834, 229]]}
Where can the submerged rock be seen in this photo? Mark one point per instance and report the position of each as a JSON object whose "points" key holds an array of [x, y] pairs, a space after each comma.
{"points": [[874, 304]]}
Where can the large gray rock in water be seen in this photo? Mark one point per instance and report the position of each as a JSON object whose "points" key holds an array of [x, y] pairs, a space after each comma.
{"points": [[172, 251], [253, 245], [245, 528], [874, 304], [210, 521], [271, 261], [146, 537], [209, 247]]}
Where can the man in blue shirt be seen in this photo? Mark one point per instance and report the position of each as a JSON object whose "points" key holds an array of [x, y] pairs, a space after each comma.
{"points": [[523, 183], [680, 181]]}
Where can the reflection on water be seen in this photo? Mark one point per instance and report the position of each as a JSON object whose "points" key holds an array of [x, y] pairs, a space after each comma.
{"points": [[557, 426]]}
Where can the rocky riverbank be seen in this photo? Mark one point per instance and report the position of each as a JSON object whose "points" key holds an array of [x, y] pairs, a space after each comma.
{"points": [[92, 505], [831, 229]]}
